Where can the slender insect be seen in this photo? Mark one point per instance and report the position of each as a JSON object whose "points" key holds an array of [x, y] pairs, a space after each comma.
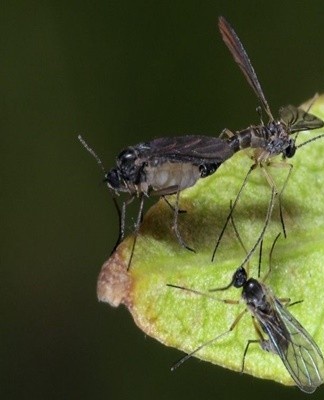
{"points": [[268, 140], [285, 336], [163, 167]]}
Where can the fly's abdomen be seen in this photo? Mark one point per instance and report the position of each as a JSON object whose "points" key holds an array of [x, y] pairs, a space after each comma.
{"points": [[171, 177], [253, 137]]}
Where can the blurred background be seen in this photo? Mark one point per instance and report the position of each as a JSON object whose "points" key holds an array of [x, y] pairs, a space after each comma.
{"points": [[118, 72]]}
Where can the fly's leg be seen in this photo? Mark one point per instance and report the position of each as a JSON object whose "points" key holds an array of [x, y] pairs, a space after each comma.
{"points": [[270, 260], [260, 341], [175, 225], [266, 223], [121, 219], [236, 321], [259, 112], [137, 227], [232, 209], [172, 207], [287, 302], [280, 193], [287, 165]]}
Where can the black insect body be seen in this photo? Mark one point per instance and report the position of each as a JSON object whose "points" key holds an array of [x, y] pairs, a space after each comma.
{"points": [[267, 140], [166, 166], [162, 167], [274, 137], [286, 337]]}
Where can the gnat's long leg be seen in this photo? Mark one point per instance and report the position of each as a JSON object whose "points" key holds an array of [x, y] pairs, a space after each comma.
{"points": [[259, 240], [236, 321], [266, 223], [189, 355], [175, 224], [121, 220], [232, 209], [137, 227], [259, 341], [171, 206]]}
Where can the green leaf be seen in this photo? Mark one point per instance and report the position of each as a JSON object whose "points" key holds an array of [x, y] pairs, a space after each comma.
{"points": [[186, 320]]}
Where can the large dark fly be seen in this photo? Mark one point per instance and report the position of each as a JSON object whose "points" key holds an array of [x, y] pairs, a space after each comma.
{"points": [[285, 336], [270, 139], [163, 167], [167, 165], [274, 137]]}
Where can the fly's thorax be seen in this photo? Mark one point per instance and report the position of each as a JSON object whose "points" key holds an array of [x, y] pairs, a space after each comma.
{"points": [[131, 161], [271, 140], [255, 296], [169, 177]]}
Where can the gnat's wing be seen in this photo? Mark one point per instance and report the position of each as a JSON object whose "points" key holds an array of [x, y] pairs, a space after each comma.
{"points": [[298, 119], [296, 348], [191, 148], [240, 56]]}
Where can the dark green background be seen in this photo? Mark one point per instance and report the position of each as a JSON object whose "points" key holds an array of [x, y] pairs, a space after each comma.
{"points": [[118, 72]]}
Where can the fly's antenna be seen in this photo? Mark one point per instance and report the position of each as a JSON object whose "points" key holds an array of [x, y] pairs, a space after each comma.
{"points": [[189, 355], [92, 152], [310, 140], [260, 258]]}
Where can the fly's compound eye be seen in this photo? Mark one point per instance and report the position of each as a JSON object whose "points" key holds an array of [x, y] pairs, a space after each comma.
{"points": [[113, 179], [239, 278], [290, 150]]}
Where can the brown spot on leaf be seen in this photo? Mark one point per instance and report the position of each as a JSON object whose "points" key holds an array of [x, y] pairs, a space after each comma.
{"points": [[114, 282]]}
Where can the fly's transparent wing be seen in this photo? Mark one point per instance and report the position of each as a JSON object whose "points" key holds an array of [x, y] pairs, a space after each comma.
{"points": [[298, 119], [294, 345], [240, 56], [192, 148]]}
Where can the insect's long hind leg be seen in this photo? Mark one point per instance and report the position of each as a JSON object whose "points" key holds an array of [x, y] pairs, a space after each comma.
{"points": [[259, 341], [280, 193], [175, 225], [290, 166], [270, 260], [266, 223], [136, 231], [121, 218], [246, 350], [172, 207], [232, 209], [233, 325], [247, 268], [189, 355]]}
